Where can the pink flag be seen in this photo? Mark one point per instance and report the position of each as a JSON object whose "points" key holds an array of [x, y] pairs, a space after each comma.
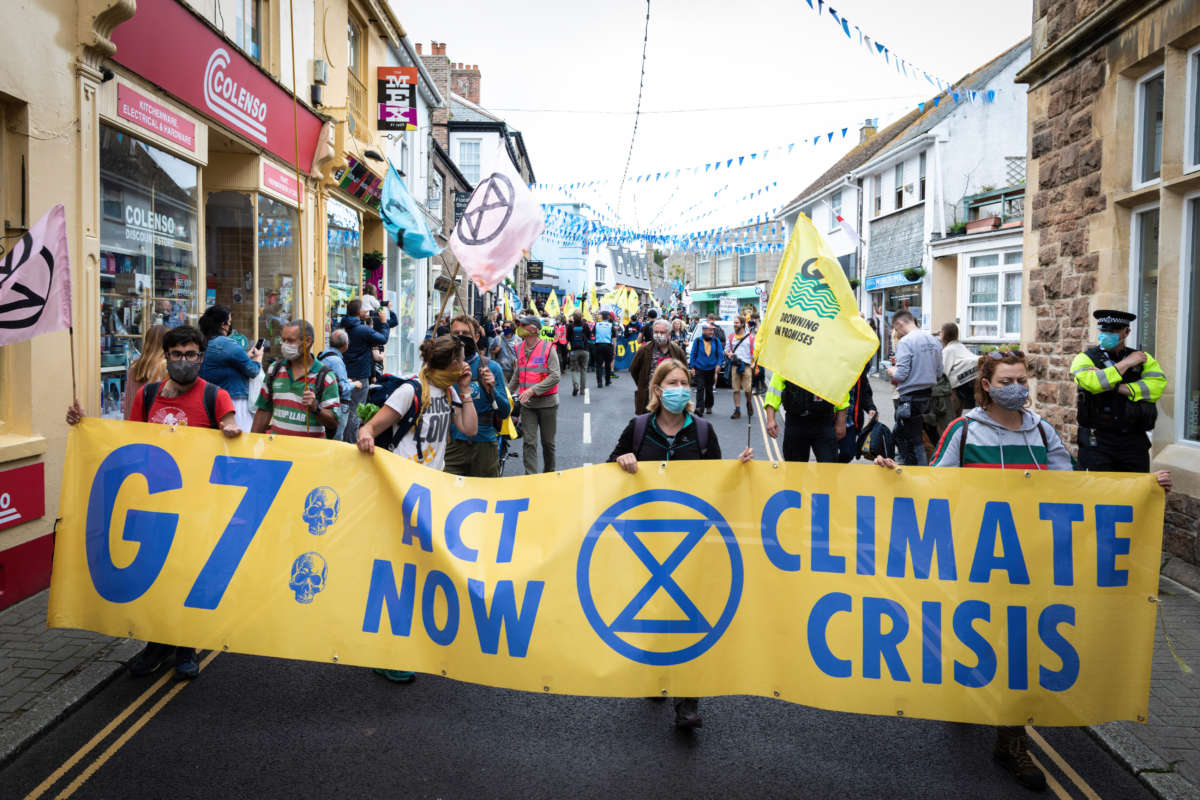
{"points": [[35, 281], [501, 221]]}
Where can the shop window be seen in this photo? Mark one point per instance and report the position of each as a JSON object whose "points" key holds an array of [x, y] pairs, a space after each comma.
{"points": [[468, 159], [1189, 362], [229, 258], [147, 252], [994, 296], [278, 265], [1145, 278], [356, 82], [724, 270], [747, 268], [343, 239], [1147, 162]]}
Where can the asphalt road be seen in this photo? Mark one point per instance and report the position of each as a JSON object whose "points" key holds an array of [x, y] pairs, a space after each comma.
{"points": [[260, 727]]}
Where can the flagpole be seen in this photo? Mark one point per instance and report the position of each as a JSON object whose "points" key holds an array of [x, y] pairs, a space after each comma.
{"points": [[74, 389]]}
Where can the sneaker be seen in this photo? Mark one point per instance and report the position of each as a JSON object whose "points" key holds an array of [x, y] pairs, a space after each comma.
{"points": [[737, 413], [186, 666], [1012, 751], [147, 662], [687, 713], [396, 675], [575, 391]]}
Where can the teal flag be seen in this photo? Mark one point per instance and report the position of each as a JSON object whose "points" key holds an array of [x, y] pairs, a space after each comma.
{"points": [[404, 219]]}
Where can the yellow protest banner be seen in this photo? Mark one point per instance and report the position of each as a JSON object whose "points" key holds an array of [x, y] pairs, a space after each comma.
{"points": [[995, 597], [812, 333]]}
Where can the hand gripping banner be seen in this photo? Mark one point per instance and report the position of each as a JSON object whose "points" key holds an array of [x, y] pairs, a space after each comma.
{"points": [[996, 597]]}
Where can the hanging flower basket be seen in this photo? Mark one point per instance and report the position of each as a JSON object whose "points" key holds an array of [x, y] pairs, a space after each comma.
{"points": [[854, 283], [372, 260], [914, 273]]}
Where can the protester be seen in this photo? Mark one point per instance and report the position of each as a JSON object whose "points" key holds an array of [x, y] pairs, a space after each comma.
{"points": [[299, 396], [604, 350], [366, 330], [918, 365], [504, 351], [334, 359], [858, 414], [740, 352], [646, 329], [184, 398], [535, 383], [646, 360], [1001, 433], [149, 367], [679, 334], [669, 432], [810, 423], [1118, 387], [560, 340], [477, 455], [579, 338], [706, 360], [960, 367], [225, 362]]}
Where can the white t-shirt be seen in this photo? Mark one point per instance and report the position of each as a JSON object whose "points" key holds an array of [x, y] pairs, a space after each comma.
{"points": [[370, 302], [434, 424]]}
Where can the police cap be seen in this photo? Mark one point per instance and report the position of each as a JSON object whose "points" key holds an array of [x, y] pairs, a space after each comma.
{"points": [[1112, 320]]}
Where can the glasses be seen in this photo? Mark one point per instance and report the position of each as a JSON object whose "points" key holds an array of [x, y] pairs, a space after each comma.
{"points": [[180, 355], [999, 354]]}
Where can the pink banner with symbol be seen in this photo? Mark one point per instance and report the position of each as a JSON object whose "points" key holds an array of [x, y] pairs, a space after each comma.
{"points": [[35, 281]]}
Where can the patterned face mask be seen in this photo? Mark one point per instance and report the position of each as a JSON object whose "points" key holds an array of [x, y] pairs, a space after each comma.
{"points": [[1011, 397]]}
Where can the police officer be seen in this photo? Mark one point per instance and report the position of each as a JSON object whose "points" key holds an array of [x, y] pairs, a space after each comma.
{"points": [[1118, 387]]}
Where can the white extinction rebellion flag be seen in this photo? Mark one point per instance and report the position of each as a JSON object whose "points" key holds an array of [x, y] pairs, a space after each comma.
{"points": [[35, 281], [502, 220]]}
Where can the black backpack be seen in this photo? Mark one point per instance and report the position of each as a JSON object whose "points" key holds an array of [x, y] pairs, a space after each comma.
{"points": [[150, 391], [800, 403], [642, 421], [273, 372], [378, 395], [341, 397]]}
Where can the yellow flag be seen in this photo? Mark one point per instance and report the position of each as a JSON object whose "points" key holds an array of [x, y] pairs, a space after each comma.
{"points": [[552, 305], [569, 305], [812, 334], [508, 315]]}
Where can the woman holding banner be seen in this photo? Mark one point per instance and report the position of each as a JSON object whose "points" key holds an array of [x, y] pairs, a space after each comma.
{"points": [[670, 432], [1001, 433]]}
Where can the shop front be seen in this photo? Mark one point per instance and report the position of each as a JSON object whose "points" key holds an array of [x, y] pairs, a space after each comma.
{"points": [[726, 302], [890, 293], [199, 198]]}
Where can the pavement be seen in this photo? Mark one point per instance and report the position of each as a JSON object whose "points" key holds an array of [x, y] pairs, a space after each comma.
{"points": [[47, 675]]}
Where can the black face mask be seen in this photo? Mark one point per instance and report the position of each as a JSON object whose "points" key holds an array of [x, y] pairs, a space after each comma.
{"points": [[468, 345]]}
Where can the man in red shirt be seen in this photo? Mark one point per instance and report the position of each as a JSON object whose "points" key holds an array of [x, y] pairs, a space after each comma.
{"points": [[183, 399]]}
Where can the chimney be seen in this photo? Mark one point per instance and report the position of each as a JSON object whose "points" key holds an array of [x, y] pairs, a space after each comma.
{"points": [[418, 48], [438, 66], [464, 81], [869, 128]]}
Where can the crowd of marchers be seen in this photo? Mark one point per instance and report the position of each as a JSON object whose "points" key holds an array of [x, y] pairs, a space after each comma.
{"points": [[485, 381]]}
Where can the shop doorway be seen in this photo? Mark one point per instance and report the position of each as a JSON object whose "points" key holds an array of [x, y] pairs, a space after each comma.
{"points": [[229, 259]]}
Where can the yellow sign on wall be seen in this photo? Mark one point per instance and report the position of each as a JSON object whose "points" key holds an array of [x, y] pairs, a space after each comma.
{"points": [[967, 595]]}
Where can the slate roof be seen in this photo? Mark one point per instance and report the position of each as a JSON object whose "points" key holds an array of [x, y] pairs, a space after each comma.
{"points": [[913, 124], [463, 110]]}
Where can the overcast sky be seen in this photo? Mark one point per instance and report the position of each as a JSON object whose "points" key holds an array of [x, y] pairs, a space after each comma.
{"points": [[565, 73]]}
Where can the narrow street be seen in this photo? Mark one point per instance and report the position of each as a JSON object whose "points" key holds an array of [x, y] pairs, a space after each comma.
{"points": [[263, 727]]}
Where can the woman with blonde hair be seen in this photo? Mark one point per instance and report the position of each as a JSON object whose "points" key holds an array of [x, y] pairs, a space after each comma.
{"points": [[150, 367], [670, 432]]}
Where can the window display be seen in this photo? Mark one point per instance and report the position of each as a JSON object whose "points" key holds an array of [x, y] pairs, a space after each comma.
{"points": [[344, 243], [147, 252], [278, 264]]}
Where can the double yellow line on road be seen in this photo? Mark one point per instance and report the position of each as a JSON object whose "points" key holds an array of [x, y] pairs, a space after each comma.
{"points": [[106, 731]]}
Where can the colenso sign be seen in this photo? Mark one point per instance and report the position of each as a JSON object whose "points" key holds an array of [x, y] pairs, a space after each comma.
{"points": [[167, 44]]}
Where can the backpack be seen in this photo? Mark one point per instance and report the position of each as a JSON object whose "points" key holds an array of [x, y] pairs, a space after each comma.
{"points": [[379, 393], [273, 373], [150, 391], [875, 440], [642, 421], [962, 440], [341, 397]]}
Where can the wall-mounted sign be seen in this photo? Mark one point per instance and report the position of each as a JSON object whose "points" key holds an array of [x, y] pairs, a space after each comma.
{"points": [[397, 98], [536, 269], [461, 199], [166, 43], [282, 182], [22, 495], [156, 118], [887, 281], [360, 182]]}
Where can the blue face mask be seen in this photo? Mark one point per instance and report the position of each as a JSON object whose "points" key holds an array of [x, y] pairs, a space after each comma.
{"points": [[675, 399], [1109, 340]]}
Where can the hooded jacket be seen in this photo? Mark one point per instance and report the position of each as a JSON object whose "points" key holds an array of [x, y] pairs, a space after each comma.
{"points": [[362, 339], [990, 445]]}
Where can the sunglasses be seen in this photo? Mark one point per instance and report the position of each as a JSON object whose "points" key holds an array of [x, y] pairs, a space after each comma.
{"points": [[1000, 354]]}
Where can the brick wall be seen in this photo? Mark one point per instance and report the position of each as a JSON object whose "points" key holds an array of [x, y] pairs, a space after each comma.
{"points": [[437, 63]]}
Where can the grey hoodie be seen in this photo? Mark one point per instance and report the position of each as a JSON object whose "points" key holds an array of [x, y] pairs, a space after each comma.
{"points": [[991, 445]]}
